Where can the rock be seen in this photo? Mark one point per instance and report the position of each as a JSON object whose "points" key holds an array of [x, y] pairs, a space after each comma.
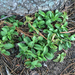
{"points": [[29, 6], [34, 73]]}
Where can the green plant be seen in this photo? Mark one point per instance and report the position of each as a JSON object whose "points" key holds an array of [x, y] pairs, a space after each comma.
{"points": [[60, 57], [13, 20], [5, 47], [48, 37], [32, 50], [8, 33], [51, 24]]}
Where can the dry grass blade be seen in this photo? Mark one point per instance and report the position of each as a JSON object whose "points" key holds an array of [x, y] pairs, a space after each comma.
{"points": [[38, 32], [18, 30], [68, 31], [67, 68]]}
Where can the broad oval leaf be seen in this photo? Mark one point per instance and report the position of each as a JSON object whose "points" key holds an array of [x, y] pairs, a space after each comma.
{"points": [[45, 50], [8, 45], [38, 47], [49, 56], [72, 38]]}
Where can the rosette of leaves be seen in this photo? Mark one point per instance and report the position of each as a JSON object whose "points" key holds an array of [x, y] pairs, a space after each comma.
{"points": [[34, 51], [4, 48], [52, 24], [8, 33]]}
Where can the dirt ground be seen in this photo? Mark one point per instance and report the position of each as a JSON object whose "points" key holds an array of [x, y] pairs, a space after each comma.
{"points": [[14, 66]]}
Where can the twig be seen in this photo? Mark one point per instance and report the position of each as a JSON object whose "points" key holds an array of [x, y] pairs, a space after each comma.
{"points": [[18, 30], [5, 17], [66, 68], [38, 32], [68, 31], [9, 68], [22, 71]]}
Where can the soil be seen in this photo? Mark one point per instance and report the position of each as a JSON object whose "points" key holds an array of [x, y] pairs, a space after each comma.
{"points": [[10, 65]]}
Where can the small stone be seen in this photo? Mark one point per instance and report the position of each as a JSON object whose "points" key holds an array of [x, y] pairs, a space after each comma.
{"points": [[45, 65], [34, 73]]}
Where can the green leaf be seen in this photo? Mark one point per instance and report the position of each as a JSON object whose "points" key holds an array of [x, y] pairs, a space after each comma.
{"points": [[57, 25], [18, 56], [28, 62], [7, 53], [66, 23], [56, 11], [15, 33], [45, 50], [62, 56], [15, 24], [23, 47], [34, 63], [48, 22], [31, 44], [5, 30], [59, 20], [20, 23], [32, 67], [1, 45], [40, 38], [39, 18], [57, 59], [38, 47], [40, 59], [3, 33], [36, 15], [41, 22], [33, 55], [34, 38], [3, 51], [60, 47], [38, 65], [68, 44], [28, 19], [51, 15], [56, 16], [4, 38], [11, 31], [48, 13], [38, 53], [44, 59], [49, 56], [53, 46], [72, 38], [45, 30], [27, 39], [8, 45], [35, 25], [53, 51], [10, 20], [41, 13], [2, 16]]}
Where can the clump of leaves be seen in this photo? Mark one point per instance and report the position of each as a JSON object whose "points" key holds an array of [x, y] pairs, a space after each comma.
{"points": [[32, 50], [38, 48], [51, 24], [13, 20], [8, 33], [5, 47]]}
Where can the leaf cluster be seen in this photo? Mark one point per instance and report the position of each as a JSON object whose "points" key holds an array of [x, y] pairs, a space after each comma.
{"points": [[36, 49]]}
